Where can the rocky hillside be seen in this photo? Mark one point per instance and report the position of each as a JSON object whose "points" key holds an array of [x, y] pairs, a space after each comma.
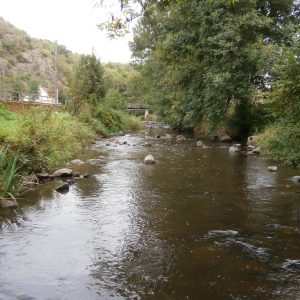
{"points": [[27, 61]]}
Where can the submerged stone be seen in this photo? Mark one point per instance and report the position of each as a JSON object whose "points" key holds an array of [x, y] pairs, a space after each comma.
{"points": [[95, 161], [261, 253], [222, 233], [291, 264]]}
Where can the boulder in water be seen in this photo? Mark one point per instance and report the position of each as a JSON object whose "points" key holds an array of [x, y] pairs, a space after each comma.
{"points": [[252, 141], [296, 179], [291, 264], [63, 173], [272, 168], [8, 202], [235, 148], [149, 160], [225, 138], [201, 145], [64, 188], [42, 176], [180, 138], [76, 162]]}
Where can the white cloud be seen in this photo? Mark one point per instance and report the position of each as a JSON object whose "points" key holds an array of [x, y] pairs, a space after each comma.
{"points": [[71, 23]]}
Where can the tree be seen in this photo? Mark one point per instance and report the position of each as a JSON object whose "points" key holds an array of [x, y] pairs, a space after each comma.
{"points": [[212, 55], [87, 83], [208, 57], [33, 88]]}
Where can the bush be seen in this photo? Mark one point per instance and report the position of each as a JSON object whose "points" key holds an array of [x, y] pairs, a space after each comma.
{"points": [[281, 142], [21, 59], [132, 123]]}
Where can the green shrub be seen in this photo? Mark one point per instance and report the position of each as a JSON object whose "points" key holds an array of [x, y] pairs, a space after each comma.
{"points": [[132, 123], [281, 142], [109, 117]]}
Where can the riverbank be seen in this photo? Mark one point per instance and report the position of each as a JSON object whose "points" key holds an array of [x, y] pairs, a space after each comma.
{"points": [[40, 140]]}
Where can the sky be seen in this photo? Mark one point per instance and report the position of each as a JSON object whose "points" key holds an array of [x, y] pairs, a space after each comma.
{"points": [[71, 23]]}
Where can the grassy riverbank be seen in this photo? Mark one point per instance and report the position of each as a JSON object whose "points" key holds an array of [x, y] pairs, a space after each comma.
{"points": [[41, 140], [281, 143]]}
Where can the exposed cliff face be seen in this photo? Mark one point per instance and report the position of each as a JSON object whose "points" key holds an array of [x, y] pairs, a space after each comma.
{"points": [[24, 57]]}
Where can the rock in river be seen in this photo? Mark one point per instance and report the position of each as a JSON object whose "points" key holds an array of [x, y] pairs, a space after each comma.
{"points": [[64, 188], [149, 160], [291, 264], [95, 161], [77, 162], [223, 233], [225, 138], [8, 203], [200, 144], [235, 148], [42, 176], [180, 138], [296, 179], [272, 168], [63, 173]]}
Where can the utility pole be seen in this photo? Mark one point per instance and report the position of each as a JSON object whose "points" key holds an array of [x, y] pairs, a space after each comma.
{"points": [[55, 72], [3, 79]]}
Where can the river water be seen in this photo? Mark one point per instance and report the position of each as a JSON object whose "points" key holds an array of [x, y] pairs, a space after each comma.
{"points": [[199, 224]]}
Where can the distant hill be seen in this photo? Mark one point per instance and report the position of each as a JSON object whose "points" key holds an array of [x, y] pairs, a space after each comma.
{"points": [[26, 61]]}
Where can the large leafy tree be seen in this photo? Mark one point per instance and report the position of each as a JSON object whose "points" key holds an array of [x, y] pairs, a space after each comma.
{"points": [[87, 85], [208, 57]]}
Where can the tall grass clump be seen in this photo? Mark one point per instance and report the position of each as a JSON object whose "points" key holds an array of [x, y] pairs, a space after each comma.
{"points": [[48, 139], [10, 166]]}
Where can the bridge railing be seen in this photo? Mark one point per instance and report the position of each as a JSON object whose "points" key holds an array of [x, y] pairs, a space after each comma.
{"points": [[136, 106], [14, 96]]}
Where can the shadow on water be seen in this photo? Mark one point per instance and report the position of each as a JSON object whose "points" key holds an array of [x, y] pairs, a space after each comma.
{"points": [[199, 224]]}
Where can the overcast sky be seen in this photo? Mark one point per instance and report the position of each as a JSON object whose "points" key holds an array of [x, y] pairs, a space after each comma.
{"points": [[71, 23]]}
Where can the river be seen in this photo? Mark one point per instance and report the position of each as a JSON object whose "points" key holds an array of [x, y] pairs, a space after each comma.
{"points": [[199, 224]]}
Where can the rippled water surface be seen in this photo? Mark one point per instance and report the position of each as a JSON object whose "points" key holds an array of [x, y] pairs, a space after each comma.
{"points": [[200, 224]]}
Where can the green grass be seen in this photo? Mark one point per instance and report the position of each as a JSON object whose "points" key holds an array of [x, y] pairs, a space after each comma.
{"points": [[48, 139]]}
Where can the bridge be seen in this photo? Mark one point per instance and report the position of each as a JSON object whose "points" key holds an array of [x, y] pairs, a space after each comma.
{"points": [[137, 109]]}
